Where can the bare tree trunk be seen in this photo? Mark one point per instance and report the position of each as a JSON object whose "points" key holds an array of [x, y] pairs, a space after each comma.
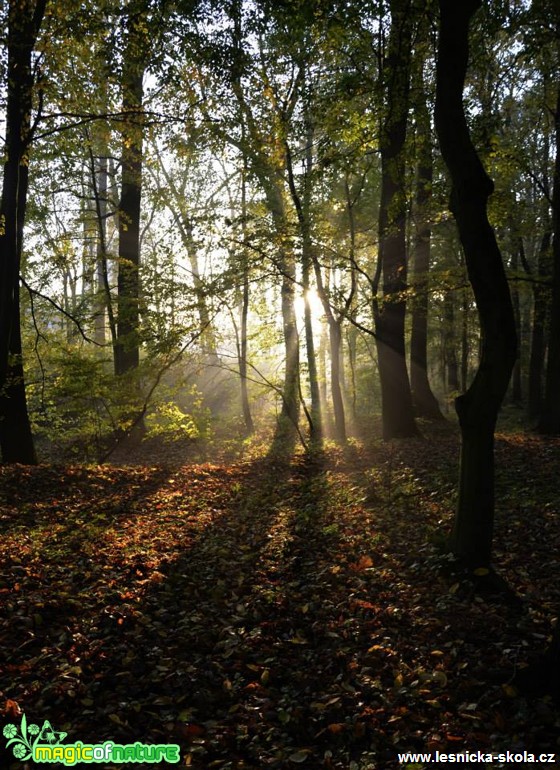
{"points": [[243, 346], [471, 539], [24, 21], [541, 302], [516, 385], [101, 256], [425, 403], [450, 344], [550, 414], [271, 176], [465, 349], [127, 351], [303, 209], [396, 397]]}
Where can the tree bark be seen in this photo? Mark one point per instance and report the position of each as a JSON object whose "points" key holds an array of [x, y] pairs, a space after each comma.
{"points": [[244, 314], [24, 21], [516, 384], [271, 173], [302, 204], [396, 397], [424, 401], [127, 350], [471, 538], [541, 302], [450, 345], [550, 415]]}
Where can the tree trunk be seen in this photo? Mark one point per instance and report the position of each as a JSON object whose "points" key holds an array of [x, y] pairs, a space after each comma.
{"points": [[335, 339], [101, 192], [127, 350], [396, 397], [541, 302], [24, 21], [16, 439], [302, 205], [352, 303], [471, 538], [450, 344], [425, 403], [288, 419], [550, 415], [271, 175], [243, 346], [465, 341], [516, 385]]}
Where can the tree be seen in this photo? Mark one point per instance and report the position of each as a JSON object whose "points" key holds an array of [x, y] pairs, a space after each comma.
{"points": [[425, 403], [477, 409], [127, 349], [24, 22], [397, 410], [550, 416], [302, 204], [266, 159]]}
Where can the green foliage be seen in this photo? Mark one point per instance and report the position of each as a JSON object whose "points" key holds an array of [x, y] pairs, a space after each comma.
{"points": [[78, 407], [170, 422], [74, 409]]}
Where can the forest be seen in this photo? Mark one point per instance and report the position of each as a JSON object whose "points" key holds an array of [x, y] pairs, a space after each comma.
{"points": [[280, 383]]}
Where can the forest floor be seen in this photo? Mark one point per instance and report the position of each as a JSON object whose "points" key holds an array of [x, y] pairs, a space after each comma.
{"points": [[268, 614]]}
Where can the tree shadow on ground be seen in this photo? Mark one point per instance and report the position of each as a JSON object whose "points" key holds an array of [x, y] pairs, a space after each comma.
{"points": [[260, 614]]}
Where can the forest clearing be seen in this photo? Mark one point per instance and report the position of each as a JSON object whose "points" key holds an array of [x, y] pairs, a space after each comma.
{"points": [[261, 613]]}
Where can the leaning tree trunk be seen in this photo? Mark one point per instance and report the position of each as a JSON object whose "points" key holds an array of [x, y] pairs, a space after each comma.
{"points": [[471, 539], [24, 21], [396, 397]]}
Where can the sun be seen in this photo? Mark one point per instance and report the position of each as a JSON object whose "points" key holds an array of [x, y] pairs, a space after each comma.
{"points": [[317, 312]]}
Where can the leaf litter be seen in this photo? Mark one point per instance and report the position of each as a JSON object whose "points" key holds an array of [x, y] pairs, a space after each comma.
{"points": [[268, 614]]}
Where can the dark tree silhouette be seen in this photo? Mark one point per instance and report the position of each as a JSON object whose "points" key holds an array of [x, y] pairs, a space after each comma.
{"points": [[24, 22], [471, 539]]}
